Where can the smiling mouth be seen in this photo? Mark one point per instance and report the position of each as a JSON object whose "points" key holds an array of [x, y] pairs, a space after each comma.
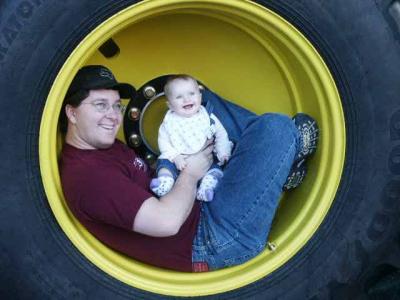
{"points": [[107, 127], [188, 106]]}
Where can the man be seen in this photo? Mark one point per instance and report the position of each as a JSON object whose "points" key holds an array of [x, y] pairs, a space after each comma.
{"points": [[107, 186]]}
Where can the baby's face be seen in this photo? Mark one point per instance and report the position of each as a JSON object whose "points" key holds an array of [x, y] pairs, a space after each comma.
{"points": [[184, 97]]}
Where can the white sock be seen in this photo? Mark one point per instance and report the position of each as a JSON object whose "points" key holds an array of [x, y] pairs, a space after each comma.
{"points": [[162, 185], [208, 184]]}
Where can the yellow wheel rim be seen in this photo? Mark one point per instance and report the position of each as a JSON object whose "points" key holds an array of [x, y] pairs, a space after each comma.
{"points": [[244, 52]]}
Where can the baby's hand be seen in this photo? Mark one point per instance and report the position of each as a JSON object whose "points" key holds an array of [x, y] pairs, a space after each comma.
{"points": [[224, 159], [180, 162]]}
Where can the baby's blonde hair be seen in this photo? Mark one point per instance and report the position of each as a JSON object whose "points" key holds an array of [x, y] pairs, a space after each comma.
{"points": [[172, 78]]}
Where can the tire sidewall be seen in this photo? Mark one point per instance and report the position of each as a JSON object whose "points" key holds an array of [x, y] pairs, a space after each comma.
{"points": [[362, 224], [41, 258]]}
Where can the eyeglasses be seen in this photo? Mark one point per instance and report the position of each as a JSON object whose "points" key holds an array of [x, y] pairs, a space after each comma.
{"points": [[103, 107]]}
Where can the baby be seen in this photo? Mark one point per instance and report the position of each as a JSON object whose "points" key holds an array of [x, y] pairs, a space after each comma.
{"points": [[185, 129]]}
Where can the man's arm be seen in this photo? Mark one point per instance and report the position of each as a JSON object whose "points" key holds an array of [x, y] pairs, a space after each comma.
{"points": [[165, 216]]}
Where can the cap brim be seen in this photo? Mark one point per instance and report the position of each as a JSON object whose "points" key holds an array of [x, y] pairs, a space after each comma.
{"points": [[126, 91]]}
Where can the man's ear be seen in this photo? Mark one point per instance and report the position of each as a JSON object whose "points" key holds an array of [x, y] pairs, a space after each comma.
{"points": [[71, 114]]}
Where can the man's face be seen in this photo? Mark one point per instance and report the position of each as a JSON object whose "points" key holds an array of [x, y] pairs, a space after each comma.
{"points": [[96, 120], [184, 97]]}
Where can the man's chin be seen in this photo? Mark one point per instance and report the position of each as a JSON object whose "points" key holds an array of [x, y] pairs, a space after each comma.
{"points": [[105, 144]]}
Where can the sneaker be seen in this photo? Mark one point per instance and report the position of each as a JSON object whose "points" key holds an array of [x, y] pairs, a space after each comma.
{"points": [[296, 175], [309, 135]]}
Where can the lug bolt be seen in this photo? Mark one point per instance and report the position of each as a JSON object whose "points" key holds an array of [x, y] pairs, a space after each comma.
{"points": [[135, 140], [134, 113], [149, 92], [150, 157]]}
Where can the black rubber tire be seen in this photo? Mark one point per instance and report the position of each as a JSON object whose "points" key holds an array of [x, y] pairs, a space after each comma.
{"points": [[359, 42]]}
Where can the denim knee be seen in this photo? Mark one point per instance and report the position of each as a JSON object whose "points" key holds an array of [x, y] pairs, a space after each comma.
{"points": [[276, 119], [273, 122], [278, 123]]}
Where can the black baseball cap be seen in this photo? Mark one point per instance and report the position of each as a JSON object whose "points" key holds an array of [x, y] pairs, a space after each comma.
{"points": [[95, 77]]}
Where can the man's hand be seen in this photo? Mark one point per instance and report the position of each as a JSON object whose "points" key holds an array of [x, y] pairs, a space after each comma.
{"points": [[180, 162], [199, 163]]}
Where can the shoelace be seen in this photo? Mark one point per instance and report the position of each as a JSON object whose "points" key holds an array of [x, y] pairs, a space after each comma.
{"points": [[296, 176], [309, 136]]}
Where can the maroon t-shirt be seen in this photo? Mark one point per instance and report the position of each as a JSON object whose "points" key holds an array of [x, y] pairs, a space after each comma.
{"points": [[105, 189]]}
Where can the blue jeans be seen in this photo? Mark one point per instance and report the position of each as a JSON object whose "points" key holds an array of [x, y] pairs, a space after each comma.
{"points": [[234, 227]]}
